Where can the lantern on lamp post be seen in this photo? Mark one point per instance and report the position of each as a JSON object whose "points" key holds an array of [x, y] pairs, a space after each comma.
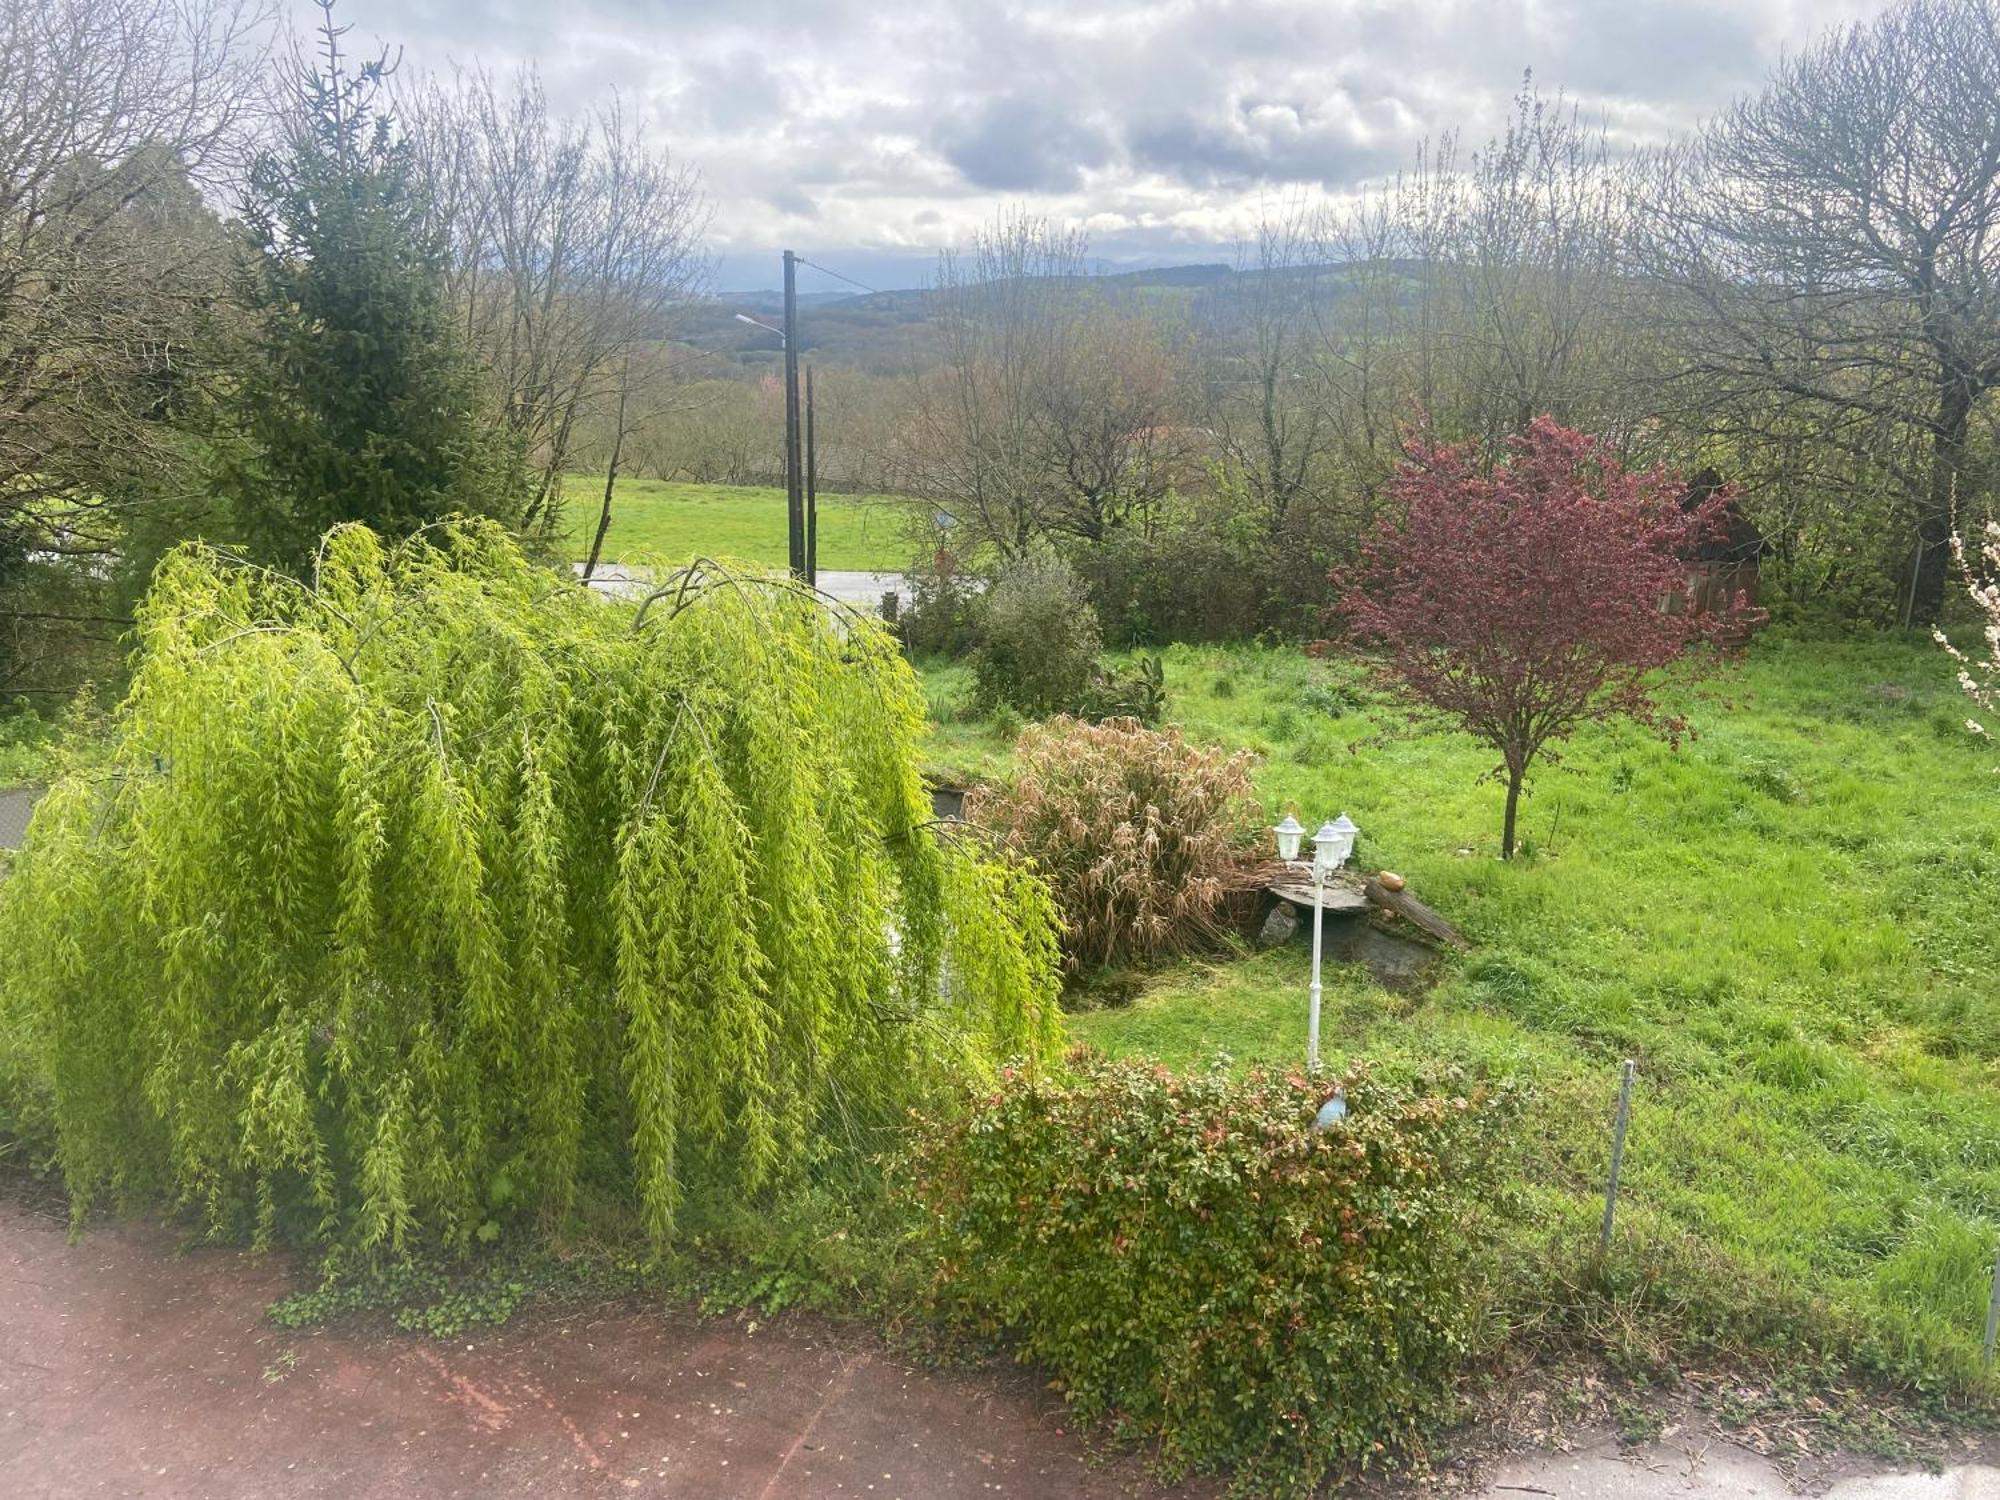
{"points": [[1289, 833]]}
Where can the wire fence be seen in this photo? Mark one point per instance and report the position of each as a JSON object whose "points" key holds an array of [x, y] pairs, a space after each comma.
{"points": [[1621, 1122]]}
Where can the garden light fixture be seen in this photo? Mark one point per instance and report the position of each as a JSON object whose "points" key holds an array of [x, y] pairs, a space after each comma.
{"points": [[1326, 858], [1330, 1113], [756, 323], [1289, 833], [1339, 837]]}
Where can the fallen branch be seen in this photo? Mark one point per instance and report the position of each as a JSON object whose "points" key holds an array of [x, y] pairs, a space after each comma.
{"points": [[1404, 905]]}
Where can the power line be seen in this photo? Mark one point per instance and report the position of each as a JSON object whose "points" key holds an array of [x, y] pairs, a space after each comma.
{"points": [[837, 276]]}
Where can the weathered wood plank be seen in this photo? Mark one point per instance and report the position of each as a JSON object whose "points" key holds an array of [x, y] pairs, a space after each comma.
{"points": [[1404, 905]]}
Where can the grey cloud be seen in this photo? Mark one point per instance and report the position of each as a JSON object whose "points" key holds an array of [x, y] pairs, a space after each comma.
{"points": [[1260, 142], [897, 126], [1018, 144], [736, 91]]}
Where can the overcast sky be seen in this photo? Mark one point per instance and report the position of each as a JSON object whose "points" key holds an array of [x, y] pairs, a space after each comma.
{"points": [[868, 133]]}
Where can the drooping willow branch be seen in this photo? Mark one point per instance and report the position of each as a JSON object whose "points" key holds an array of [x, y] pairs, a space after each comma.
{"points": [[467, 898]]}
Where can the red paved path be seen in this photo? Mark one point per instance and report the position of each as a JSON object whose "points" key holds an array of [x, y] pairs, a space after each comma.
{"points": [[128, 1369]]}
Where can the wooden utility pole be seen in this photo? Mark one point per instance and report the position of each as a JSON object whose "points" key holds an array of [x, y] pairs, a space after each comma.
{"points": [[795, 497], [812, 490]]}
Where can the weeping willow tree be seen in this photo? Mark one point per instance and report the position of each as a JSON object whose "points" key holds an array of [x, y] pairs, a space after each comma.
{"points": [[436, 883]]}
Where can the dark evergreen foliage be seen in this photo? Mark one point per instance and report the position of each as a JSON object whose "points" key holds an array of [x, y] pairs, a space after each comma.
{"points": [[361, 403]]}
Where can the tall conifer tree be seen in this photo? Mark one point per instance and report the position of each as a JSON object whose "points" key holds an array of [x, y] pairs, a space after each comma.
{"points": [[364, 405]]}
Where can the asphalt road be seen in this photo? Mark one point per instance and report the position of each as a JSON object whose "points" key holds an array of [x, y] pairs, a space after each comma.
{"points": [[862, 590], [16, 802]]}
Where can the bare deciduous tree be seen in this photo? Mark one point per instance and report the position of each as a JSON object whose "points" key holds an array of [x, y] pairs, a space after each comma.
{"points": [[1266, 407], [1833, 247], [1052, 410], [1485, 288], [974, 442], [113, 114], [1108, 414], [574, 243], [114, 117]]}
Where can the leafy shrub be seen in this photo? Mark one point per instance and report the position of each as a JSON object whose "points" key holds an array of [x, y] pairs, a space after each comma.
{"points": [[1334, 697], [1135, 692], [1133, 828], [1187, 1258], [1038, 640], [1216, 568], [435, 897], [27, 746], [938, 615]]}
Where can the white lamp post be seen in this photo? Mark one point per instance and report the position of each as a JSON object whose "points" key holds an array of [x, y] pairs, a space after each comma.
{"points": [[1331, 847]]}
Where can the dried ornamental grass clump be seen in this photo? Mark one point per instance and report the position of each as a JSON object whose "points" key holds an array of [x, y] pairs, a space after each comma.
{"points": [[1134, 829], [436, 886]]}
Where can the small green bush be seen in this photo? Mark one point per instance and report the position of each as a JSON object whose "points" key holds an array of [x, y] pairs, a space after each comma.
{"points": [[1217, 568], [27, 746], [1135, 692], [938, 616], [1190, 1261], [1038, 640]]}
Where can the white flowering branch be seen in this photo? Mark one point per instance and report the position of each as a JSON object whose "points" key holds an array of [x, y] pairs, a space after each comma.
{"points": [[1980, 677]]}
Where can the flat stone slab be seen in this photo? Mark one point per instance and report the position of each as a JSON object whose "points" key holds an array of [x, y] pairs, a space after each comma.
{"points": [[1340, 896], [1709, 1467]]}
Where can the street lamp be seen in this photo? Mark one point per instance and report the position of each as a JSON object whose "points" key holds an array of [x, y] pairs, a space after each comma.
{"points": [[1332, 846], [746, 318]]}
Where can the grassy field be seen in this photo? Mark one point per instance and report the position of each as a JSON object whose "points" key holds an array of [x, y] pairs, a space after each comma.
{"points": [[27, 748], [1792, 924], [653, 518]]}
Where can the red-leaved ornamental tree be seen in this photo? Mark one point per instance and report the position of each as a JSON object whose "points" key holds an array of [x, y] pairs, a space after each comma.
{"points": [[1524, 600]]}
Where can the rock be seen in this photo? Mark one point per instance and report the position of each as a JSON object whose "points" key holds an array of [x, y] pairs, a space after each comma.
{"points": [[1396, 962], [1279, 927]]}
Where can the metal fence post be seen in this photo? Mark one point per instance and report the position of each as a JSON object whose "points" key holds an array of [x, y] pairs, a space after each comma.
{"points": [[1617, 1156], [1993, 1309]]}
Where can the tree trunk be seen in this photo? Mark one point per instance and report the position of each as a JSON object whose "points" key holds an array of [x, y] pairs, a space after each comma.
{"points": [[610, 474], [1934, 527], [1513, 806]]}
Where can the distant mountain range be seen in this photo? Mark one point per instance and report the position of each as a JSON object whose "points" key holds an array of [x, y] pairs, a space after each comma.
{"points": [[890, 332], [772, 300]]}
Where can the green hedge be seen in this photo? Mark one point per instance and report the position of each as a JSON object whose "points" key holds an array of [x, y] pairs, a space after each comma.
{"points": [[1192, 1263]]}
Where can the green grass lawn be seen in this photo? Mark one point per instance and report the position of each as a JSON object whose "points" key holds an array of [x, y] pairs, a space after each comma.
{"points": [[1792, 923], [673, 522]]}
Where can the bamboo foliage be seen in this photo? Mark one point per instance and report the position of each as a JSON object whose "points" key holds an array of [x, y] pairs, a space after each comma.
{"points": [[437, 885]]}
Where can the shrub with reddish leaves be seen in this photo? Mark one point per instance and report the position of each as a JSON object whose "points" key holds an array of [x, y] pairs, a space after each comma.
{"points": [[1524, 600], [1193, 1264]]}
